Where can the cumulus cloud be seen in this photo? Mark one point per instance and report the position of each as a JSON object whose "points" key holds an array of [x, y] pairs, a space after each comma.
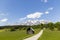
{"points": [[32, 16], [35, 15], [44, 1], [35, 22], [4, 20], [47, 12], [51, 8]]}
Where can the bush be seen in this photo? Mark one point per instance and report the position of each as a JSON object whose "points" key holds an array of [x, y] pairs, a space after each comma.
{"points": [[59, 29], [16, 27], [51, 28], [12, 29]]}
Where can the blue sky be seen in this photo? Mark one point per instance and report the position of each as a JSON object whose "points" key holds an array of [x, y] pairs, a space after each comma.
{"points": [[12, 11]]}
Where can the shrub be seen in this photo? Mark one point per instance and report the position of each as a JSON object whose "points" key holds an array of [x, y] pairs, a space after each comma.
{"points": [[12, 29]]}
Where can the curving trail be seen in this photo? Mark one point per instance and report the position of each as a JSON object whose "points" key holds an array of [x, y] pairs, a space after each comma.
{"points": [[35, 37]]}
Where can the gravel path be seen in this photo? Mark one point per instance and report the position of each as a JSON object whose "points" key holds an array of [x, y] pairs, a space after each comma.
{"points": [[35, 37]]}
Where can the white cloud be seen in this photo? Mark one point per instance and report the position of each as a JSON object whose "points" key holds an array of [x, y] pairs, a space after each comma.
{"points": [[51, 8], [44, 1], [32, 16], [47, 12], [35, 22], [22, 18], [4, 20], [35, 15]]}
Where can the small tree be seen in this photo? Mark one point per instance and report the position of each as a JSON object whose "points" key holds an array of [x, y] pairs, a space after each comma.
{"points": [[42, 26], [57, 25], [12, 29], [51, 26]]}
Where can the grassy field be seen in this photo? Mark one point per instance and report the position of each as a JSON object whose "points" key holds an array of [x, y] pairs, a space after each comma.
{"points": [[16, 35], [50, 35], [2, 30]]}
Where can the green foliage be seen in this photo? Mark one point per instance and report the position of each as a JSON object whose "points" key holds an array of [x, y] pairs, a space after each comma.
{"points": [[57, 25], [12, 29], [50, 35], [51, 26]]}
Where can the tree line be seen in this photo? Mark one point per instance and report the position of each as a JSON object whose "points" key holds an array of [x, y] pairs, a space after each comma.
{"points": [[50, 26]]}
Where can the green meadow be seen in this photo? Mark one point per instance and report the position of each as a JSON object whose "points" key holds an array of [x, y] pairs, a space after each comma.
{"points": [[16, 35], [50, 35], [18, 32]]}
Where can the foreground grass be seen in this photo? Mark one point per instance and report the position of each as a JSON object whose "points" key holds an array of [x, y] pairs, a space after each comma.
{"points": [[16, 35], [50, 35]]}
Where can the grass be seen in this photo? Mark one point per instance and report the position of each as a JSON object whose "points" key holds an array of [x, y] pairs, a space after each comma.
{"points": [[50, 35], [16, 35], [2, 30]]}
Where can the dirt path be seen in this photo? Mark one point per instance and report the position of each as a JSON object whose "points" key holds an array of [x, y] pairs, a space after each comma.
{"points": [[35, 37]]}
